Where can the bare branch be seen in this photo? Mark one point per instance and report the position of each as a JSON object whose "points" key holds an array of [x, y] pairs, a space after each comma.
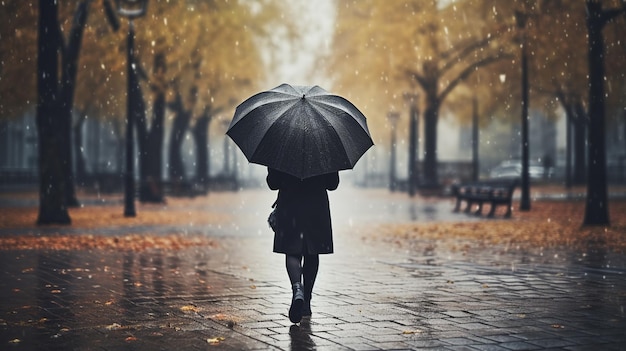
{"points": [[420, 79], [468, 50], [469, 70]]}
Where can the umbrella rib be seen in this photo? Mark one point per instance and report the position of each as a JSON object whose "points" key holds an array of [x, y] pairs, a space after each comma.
{"points": [[267, 132], [354, 112], [334, 131]]}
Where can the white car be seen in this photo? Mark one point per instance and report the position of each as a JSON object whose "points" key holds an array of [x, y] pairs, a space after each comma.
{"points": [[513, 170]]}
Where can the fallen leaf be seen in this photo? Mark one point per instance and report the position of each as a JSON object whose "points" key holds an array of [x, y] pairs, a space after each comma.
{"points": [[15, 341], [215, 341], [113, 326], [190, 308], [130, 338], [415, 331], [557, 326]]}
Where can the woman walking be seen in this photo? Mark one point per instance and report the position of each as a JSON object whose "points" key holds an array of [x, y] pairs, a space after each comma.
{"points": [[303, 231]]}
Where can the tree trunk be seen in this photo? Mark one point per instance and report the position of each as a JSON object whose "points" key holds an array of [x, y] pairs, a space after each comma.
{"points": [[151, 141], [596, 210], [177, 137], [431, 118], [475, 141], [201, 137], [52, 208], [81, 168], [68, 84], [580, 144], [413, 158], [157, 133], [151, 159], [149, 191]]}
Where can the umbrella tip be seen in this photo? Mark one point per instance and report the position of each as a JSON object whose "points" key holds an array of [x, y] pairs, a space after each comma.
{"points": [[303, 96]]}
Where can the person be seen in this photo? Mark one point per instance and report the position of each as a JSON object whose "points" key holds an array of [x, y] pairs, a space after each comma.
{"points": [[303, 231]]}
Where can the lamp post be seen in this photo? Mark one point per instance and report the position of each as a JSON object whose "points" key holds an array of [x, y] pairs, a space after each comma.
{"points": [[411, 99], [475, 142], [525, 200], [130, 9], [393, 120]]}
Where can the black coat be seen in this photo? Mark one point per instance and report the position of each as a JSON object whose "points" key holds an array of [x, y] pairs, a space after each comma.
{"points": [[303, 213]]}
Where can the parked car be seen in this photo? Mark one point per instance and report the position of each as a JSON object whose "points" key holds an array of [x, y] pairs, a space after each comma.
{"points": [[512, 169]]}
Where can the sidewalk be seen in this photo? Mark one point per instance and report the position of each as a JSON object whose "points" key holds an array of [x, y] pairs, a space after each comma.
{"points": [[369, 295]]}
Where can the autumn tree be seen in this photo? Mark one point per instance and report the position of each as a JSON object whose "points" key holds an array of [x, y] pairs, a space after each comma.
{"points": [[596, 210], [213, 60], [194, 57], [52, 32], [55, 104], [388, 47], [52, 203]]}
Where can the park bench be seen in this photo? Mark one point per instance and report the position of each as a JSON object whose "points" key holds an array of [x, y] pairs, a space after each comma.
{"points": [[495, 192]]}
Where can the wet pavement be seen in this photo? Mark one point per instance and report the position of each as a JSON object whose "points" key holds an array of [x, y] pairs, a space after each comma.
{"points": [[369, 295]]}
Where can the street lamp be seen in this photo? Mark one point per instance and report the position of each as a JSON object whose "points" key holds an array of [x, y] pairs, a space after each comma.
{"points": [[411, 99], [130, 9], [475, 143], [393, 120], [521, 19]]}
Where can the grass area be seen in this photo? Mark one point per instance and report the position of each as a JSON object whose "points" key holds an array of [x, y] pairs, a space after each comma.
{"points": [[549, 225]]}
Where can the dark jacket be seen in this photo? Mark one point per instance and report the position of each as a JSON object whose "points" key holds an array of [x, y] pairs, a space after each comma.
{"points": [[303, 213]]}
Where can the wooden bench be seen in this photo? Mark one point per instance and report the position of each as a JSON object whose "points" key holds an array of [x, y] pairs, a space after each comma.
{"points": [[495, 192]]}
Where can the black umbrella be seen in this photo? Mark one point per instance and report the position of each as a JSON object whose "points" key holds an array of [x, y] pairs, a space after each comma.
{"points": [[301, 130]]}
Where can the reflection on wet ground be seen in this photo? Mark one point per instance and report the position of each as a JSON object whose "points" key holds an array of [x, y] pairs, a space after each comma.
{"points": [[368, 296]]}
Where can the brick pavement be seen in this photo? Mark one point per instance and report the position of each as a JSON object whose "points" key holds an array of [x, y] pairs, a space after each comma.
{"points": [[368, 296]]}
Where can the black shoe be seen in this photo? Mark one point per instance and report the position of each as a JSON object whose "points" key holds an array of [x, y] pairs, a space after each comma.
{"points": [[295, 311]]}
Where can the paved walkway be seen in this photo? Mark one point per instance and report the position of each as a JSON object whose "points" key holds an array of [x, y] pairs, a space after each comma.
{"points": [[369, 296]]}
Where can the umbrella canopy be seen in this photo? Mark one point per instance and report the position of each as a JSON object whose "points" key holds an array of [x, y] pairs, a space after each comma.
{"points": [[301, 130]]}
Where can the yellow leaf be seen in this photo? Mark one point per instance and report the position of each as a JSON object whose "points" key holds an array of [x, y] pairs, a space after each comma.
{"points": [[215, 341], [113, 326], [416, 331], [190, 308]]}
